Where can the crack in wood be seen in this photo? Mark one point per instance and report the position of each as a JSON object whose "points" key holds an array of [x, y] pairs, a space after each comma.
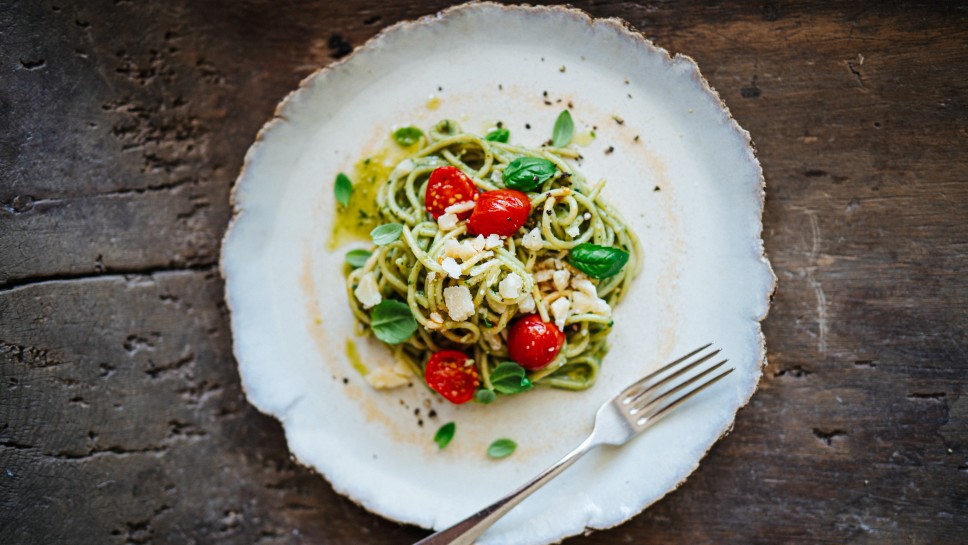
{"points": [[9, 285]]}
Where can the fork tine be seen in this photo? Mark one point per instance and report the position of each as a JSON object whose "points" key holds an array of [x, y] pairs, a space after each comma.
{"points": [[635, 385], [644, 404], [635, 397], [681, 399]]}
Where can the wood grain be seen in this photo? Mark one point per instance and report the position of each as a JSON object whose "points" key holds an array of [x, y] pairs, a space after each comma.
{"points": [[124, 125]]}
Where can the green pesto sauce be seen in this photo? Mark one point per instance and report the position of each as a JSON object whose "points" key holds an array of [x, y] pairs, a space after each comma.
{"points": [[354, 357], [360, 215]]}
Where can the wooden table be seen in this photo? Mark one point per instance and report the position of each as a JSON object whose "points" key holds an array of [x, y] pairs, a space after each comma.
{"points": [[123, 125]]}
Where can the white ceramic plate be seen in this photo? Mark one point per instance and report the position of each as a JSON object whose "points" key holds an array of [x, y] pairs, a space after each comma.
{"points": [[681, 171]]}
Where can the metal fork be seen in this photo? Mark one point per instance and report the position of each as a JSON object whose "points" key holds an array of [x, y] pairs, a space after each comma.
{"points": [[621, 418]]}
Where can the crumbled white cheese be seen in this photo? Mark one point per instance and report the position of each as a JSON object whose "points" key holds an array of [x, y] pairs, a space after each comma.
{"points": [[584, 304], [543, 275], [510, 287], [574, 229], [532, 240], [464, 250], [367, 292], [493, 241], [460, 305], [585, 298], [450, 267], [467, 250], [403, 168], [560, 279], [584, 285], [587, 215], [435, 321], [451, 248], [559, 309], [446, 222], [384, 378], [478, 243], [460, 208], [526, 305]]}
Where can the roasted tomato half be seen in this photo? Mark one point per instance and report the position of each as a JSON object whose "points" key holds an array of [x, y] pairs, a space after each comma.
{"points": [[501, 212], [532, 343], [452, 374], [448, 186]]}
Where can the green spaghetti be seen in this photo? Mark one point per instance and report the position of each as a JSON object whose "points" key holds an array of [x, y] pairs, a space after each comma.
{"points": [[495, 267]]}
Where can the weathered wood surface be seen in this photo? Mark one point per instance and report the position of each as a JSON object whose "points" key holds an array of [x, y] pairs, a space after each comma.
{"points": [[123, 125]]}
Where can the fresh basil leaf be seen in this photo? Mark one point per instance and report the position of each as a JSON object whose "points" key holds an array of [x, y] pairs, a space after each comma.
{"points": [[343, 189], [597, 261], [357, 258], [392, 322], [445, 434], [407, 136], [501, 448], [498, 135], [527, 173], [564, 128], [386, 233], [509, 378], [484, 396]]}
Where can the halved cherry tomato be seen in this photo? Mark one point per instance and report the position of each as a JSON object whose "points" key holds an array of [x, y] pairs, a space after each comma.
{"points": [[500, 212], [532, 344], [451, 374], [448, 186]]}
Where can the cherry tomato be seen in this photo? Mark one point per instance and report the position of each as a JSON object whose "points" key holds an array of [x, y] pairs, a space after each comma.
{"points": [[532, 344], [448, 186], [500, 212], [451, 375]]}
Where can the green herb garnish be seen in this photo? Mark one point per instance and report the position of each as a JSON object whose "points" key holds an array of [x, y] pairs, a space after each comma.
{"points": [[502, 448], [357, 258], [445, 434], [484, 396], [597, 261], [564, 128], [392, 322], [386, 233], [407, 136], [509, 378], [527, 173], [498, 135], [343, 189]]}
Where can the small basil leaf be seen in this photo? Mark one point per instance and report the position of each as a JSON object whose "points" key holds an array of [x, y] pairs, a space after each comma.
{"points": [[501, 448], [343, 189], [498, 135], [407, 136], [597, 261], [392, 322], [527, 173], [445, 434], [509, 378], [564, 128], [357, 258], [386, 233], [484, 396]]}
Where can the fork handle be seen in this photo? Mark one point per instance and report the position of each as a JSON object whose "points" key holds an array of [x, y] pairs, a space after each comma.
{"points": [[467, 530]]}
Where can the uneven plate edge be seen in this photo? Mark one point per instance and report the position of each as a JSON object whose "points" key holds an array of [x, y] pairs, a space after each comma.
{"points": [[623, 28]]}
